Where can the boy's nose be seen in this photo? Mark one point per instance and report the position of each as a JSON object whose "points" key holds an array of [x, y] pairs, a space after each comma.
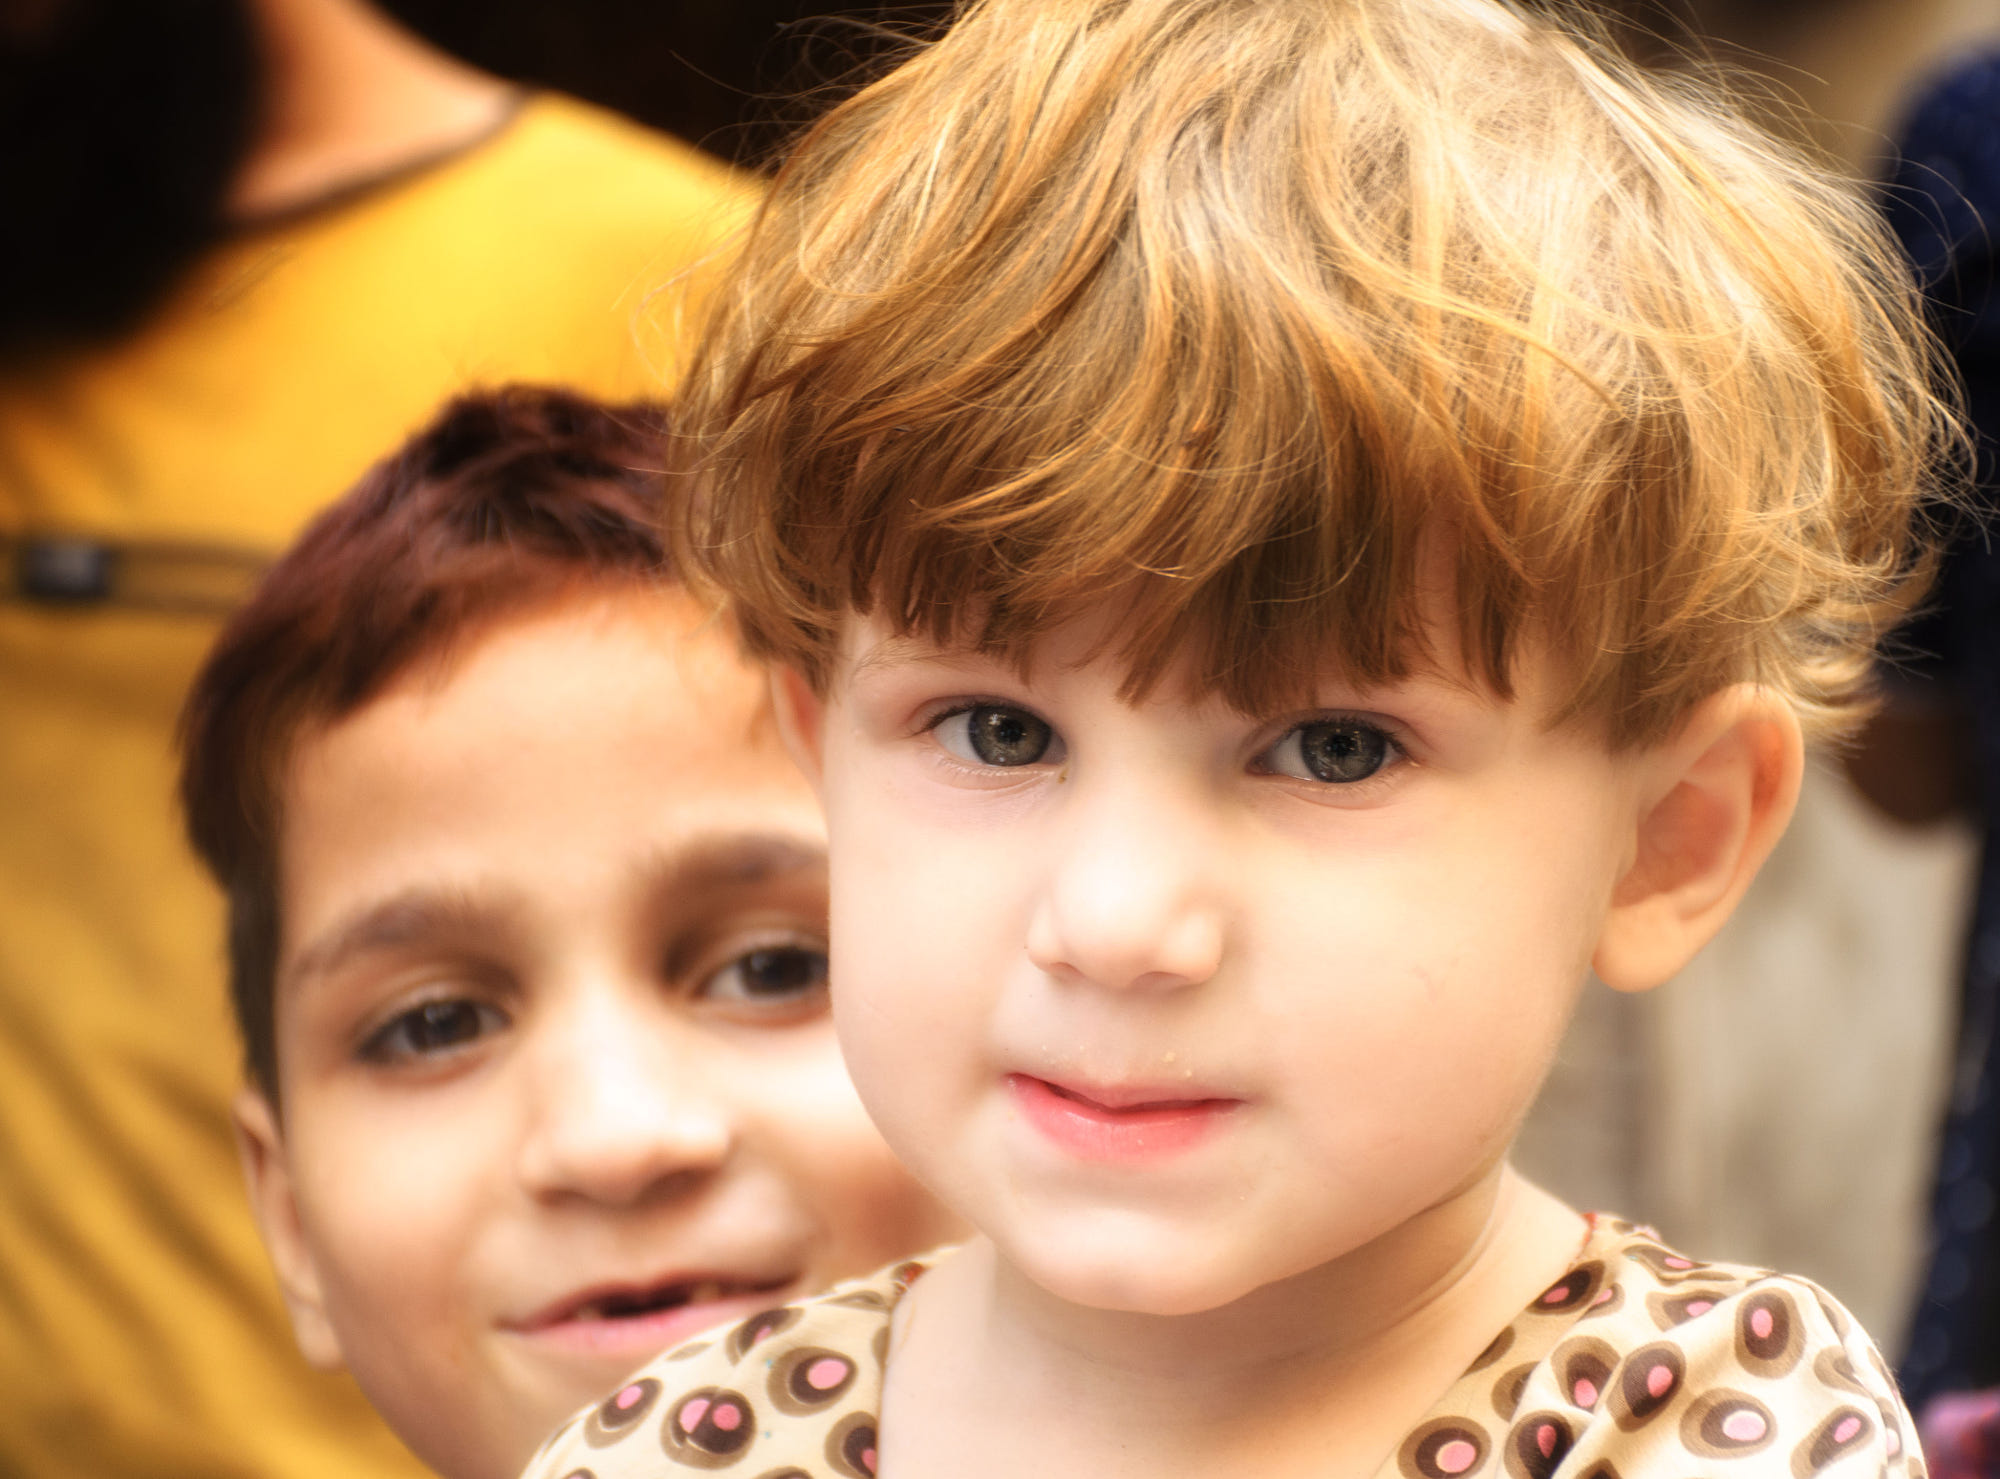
{"points": [[623, 1110], [1130, 901]]}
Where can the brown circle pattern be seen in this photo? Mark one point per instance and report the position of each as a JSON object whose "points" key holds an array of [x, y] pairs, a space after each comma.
{"points": [[1444, 1448], [1537, 1444], [621, 1411], [1495, 1349], [1842, 1433], [809, 1378], [1647, 1381], [1507, 1391], [760, 1326], [709, 1428], [1583, 1367], [1768, 1338], [1678, 1306], [1572, 1292], [1727, 1424], [850, 1447]]}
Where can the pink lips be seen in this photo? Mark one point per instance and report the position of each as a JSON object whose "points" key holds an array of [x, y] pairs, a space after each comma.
{"points": [[1136, 1126]]}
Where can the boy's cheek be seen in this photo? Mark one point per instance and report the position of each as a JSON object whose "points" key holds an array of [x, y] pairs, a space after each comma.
{"points": [[274, 1201]]}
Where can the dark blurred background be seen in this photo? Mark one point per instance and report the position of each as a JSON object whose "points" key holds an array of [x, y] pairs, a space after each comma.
{"points": [[736, 76]]}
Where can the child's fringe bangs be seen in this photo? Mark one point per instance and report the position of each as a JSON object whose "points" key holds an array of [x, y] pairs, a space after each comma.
{"points": [[1226, 314]]}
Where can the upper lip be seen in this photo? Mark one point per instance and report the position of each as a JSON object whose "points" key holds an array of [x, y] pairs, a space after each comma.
{"points": [[669, 1291], [1135, 1094]]}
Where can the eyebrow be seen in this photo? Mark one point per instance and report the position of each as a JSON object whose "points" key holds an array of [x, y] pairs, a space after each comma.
{"points": [[710, 864], [899, 650], [731, 860], [405, 918]]}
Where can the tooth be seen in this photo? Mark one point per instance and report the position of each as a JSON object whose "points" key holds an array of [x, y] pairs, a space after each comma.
{"points": [[591, 1311], [707, 1291]]}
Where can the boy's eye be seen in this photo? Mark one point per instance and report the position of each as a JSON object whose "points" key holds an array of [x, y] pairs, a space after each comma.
{"points": [[435, 1027], [1337, 751], [775, 976], [993, 735]]}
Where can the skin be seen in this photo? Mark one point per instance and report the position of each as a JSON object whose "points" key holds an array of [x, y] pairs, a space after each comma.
{"points": [[351, 96], [552, 1027], [1222, 1058]]}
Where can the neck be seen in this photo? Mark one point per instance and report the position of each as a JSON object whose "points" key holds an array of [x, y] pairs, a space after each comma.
{"points": [[350, 96], [1323, 1372]]}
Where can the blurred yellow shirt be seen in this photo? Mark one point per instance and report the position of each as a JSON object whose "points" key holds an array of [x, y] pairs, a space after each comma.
{"points": [[140, 1330]]}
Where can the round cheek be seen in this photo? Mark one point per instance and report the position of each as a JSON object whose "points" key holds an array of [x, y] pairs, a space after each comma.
{"points": [[838, 1169], [386, 1245]]}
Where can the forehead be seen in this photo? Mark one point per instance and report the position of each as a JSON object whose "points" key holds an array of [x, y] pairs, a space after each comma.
{"points": [[554, 761]]}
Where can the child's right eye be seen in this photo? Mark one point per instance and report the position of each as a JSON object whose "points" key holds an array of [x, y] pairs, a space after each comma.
{"points": [[434, 1028], [994, 734]]}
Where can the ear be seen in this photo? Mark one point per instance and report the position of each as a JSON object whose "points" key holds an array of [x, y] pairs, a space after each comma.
{"points": [[801, 715], [275, 1205], [1713, 801]]}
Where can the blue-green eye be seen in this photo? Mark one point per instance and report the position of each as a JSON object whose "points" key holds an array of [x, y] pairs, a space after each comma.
{"points": [[992, 734], [1336, 751], [432, 1029]]}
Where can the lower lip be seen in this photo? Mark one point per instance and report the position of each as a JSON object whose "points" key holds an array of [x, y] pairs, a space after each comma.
{"points": [[635, 1338], [1098, 1132]]}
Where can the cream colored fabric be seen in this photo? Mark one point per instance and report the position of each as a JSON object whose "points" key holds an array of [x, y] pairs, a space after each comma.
{"points": [[1639, 1363]]}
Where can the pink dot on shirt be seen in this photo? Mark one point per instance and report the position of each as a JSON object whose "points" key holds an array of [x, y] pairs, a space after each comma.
{"points": [[728, 1417], [1699, 1307], [1660, 1381], [1545, 1439], [629, 1398], [1586, 1393], [1456, 1456], [1761, 1323], [826, 1373], [1846, 1429], [1744, 1426], [693, 1413]]}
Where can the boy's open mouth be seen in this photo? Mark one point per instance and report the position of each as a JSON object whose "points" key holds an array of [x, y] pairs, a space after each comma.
{"points": [[628, 1304]]}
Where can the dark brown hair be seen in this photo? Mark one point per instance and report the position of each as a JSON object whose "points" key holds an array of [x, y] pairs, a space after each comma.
{"points": [[1234, 313], [508, 499]]}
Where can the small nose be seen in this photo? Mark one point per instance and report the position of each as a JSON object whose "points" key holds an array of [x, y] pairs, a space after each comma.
{"points": [[1130, 901], [623, 1106]]}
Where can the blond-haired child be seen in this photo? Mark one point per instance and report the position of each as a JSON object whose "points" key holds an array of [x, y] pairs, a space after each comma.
{"points": [[1294, 530]]}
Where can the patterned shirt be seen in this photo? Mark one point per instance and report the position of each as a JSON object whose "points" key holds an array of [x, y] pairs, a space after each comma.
{"points": [[1638, 1363]]}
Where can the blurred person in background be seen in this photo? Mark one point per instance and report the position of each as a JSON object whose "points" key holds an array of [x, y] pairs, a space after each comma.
{"points": [[249, 244], [1937, 750]]}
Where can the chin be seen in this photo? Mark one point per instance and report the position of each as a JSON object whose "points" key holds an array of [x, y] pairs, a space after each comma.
{"points": [[1136, 1275]]}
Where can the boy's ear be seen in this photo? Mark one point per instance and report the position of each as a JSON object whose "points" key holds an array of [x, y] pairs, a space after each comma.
{"points": [[273, 1201], [1713, 801], [800, 714]]}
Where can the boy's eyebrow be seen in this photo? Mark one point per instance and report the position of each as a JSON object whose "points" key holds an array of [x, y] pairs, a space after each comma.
{"points": [[413, 914], [732, 860]]}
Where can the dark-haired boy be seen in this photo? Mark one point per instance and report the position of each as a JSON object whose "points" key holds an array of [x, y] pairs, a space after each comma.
{"points": [[527, 940]]}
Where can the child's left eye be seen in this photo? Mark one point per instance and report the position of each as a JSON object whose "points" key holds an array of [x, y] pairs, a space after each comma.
{"points": [[781, 977], [997, 735], [1332, 751]]}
